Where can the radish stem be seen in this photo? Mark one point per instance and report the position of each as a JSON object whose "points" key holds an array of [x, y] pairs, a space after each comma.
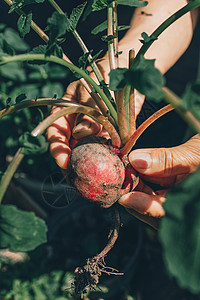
{"points": [[131, 100], [85, 50], [187, 115], [121, 116], [10, 172], [131, 142], [86, 111]]}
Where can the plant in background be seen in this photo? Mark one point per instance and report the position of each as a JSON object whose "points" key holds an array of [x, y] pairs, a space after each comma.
{"points": [[117, 115]]}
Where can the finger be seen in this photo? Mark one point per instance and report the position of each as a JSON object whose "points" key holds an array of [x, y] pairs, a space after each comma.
{"points": [[153, 222], [58, 135], [162, 181], [144, 204], [167, 161], [87, 126]]}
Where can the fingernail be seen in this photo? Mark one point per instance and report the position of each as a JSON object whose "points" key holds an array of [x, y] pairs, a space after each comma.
{"points": [[140, 161]]}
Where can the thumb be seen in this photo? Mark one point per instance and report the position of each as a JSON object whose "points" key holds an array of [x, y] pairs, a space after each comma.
{"points": [[165, 162]]}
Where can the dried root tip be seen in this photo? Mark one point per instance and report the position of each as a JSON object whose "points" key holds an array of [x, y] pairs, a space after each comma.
{"points": [[87, 277]]}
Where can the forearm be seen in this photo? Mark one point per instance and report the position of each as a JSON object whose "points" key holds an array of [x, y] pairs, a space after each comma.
{"points": [[171, 44]]}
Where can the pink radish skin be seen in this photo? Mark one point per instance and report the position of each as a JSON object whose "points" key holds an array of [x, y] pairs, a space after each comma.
{"points": [[97, 171]]}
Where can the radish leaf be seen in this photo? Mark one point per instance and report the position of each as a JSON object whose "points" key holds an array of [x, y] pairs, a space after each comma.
{"points": [[101, 27], [20, 3], [180, 233], [134, 3], [20, 230], [191, 98], [24, 24], [74, 17], [32, 145]]}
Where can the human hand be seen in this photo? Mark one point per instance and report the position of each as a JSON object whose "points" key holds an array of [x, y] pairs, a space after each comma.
{"points": [[63, 133], [166, 167]]}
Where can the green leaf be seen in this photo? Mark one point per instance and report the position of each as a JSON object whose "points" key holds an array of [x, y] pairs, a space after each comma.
{"points": [[57, 25], [32, 145], [18, 74], [83, 60], [180, 233], [5, 48], [96, 56], [108, 38], [133, 3], [144, 77], [41, 49], [20, 3], [191, 98], [123, 27], [14, 40], [101, 27], [52, 88], [20, 98], [101, 4], [24, 24], [146, 38], [75, 16], [117, 79], [20, 230]]}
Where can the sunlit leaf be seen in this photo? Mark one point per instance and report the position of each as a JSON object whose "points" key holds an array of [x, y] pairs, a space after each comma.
{"points": [[143, 77], [32, 145], [20, 230]]}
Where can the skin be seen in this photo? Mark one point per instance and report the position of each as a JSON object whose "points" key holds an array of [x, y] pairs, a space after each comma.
{"points": [[165, 166]]}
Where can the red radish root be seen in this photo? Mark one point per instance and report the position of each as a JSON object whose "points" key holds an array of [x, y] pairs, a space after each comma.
{"points": [[96, 171]]}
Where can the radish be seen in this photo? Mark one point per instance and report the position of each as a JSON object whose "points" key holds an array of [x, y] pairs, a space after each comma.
{"points": [[98, 173]]}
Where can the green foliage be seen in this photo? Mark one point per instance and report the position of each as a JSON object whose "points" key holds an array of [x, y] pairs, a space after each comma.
{"points": [[144, 77], [123, 27], [191, 98], [5, 48], [24, 24], [146, 38], [74, 17], [108, 38], [20, 3], [134, 3], [57, 26], [32, 145], [101, 27], [14, 40], [180, 233], [20, 230], [101, 4], [20, 97], [53, 285]]}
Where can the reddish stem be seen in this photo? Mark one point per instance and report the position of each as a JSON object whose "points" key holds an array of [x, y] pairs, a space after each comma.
{"points": [[131, 142]]}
